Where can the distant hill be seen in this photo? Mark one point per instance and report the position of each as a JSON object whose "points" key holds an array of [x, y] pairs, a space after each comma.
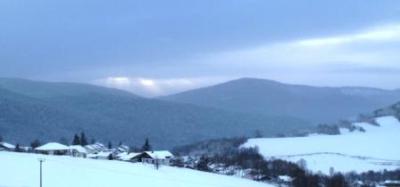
{"points": [[49, 111], [392, 110], [316, 104], [367, 142]]}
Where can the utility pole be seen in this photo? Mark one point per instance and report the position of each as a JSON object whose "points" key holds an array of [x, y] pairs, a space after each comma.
{"points": [[41, 160]]}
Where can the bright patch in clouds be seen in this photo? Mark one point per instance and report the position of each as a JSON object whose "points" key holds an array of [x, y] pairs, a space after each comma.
{"points": [[157, 86], [147, 82], [118, 81], [388, 33], [370, 47]]}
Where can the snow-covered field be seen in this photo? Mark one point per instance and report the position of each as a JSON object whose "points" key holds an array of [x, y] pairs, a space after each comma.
{"points": [[22, 170], [375, 149]]}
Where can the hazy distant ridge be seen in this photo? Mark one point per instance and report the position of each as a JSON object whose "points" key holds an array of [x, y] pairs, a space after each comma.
{"points": [[318, 104]]}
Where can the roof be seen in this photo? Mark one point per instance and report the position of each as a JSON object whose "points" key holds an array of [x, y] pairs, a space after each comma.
{"points": [[78, 148], [159, 154], [95, 147], [123, 148], [52, 146], [125, 156], [7, 145]]}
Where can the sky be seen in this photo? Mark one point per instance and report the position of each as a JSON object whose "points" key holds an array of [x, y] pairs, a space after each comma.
{"points": [[156, 47]]}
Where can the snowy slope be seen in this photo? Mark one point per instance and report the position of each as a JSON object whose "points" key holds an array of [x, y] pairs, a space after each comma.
{"points": [[19, 169], [375, 149]]}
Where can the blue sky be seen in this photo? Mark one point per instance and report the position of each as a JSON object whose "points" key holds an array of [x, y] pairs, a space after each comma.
{"points": [[159, 47]]}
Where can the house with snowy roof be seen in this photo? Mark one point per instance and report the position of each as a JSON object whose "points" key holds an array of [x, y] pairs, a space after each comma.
{"points": [[152, 157], [130, 157], [53, 148], [95, 148], [6, 146], [78, 151]]}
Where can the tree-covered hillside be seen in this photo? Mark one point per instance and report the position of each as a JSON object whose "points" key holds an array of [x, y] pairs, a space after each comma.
{"points": [[50, 111]]}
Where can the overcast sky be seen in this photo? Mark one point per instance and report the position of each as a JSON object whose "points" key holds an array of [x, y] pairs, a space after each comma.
{"points": [[157, 47]]}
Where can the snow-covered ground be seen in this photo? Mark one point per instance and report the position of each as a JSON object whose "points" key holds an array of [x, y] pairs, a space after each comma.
{"points": [[375, 149], [22, 169]]}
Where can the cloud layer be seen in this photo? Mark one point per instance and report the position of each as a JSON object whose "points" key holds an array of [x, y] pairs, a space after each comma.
{"points": [[368, 57]]}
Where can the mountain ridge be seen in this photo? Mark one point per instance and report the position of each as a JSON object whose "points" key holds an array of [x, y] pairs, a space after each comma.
{"points": [[275, 98], [50, 111]]}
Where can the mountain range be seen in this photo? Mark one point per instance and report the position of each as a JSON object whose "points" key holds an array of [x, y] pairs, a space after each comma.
{"points": [[50, 111], [266, 97]]}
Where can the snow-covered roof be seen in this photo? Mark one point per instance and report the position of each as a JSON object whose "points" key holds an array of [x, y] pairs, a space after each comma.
{"points": [[123, 148], [95, 147], [126, 156], [52, 146], [78, 148], [159, 154], [7, 145]]}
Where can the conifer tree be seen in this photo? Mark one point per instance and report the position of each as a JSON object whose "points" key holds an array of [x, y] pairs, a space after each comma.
{"points": [[35, 143], [146, 146], [77, 140], [83, 139], [17, 148]]}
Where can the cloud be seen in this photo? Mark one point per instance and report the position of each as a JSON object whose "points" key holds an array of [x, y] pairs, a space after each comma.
{"points": [[368, 57], [387, 33], [341, 59], [374, 46]]}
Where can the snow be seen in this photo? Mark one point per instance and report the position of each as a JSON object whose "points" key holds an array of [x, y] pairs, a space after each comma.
{"points": [[22, 169], [52, 146], [285, 178], [376, 149]]}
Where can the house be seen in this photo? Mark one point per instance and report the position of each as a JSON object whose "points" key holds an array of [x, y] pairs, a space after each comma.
{"points": [[6, 146], [122, 149], [78, 151], [105, 155], [25, 148], [152, 157], [95, 148], [53, 148], [130, 157]]}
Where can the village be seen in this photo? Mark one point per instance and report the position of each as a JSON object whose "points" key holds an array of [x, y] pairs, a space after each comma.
{"points": [[96, 151]]}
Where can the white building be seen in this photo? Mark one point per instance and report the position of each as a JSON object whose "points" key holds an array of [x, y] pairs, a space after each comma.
{"points": [[130, 157], [78, 151], [6, 146], [53, 148], [95, 148], [161, 157]]}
